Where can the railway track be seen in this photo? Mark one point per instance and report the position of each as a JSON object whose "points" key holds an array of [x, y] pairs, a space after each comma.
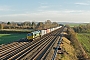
{"points": [[30, 50]]}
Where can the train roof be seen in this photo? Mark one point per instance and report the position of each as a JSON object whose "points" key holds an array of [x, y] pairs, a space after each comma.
{"points": [[35, 32]]}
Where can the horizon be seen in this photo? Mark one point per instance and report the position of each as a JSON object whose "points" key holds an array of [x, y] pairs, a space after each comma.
{"points": [[45, 21], [77, 11]]}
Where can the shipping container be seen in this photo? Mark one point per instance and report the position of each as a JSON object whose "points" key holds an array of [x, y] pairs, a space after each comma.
{"points": [[51, 29], [55, 28], [60, 26], [43, 32], [48, 30]]}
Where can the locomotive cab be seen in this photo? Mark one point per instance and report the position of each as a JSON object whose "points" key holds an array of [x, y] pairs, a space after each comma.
{"points": [[29, 36], [33, 35]]}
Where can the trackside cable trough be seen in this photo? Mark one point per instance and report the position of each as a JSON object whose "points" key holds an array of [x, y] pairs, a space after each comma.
{"points": [[56, 49]]}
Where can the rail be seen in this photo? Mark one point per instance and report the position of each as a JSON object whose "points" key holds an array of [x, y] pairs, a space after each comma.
{"points": [[56, 49]]}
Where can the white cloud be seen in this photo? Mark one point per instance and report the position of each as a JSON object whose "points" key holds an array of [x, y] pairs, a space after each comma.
{"points": [[65, 15], [82, 4], [5, 8], [43, 3], [43, 7], [49, 13]]}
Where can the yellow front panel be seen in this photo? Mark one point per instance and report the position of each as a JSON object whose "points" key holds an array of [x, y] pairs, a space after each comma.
{"points": [[29, 37], [33, 36]]}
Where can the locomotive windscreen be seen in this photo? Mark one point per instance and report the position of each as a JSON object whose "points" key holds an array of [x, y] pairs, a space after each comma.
{"points": [[29, 34]]}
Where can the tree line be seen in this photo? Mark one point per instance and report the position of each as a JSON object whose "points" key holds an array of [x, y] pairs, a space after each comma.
{"points": [[82, 28], [29, 25]]}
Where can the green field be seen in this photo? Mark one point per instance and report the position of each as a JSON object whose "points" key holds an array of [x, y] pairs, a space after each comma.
{"points": [[84, 38], [8, 38], [76, 24], [72, 25]]}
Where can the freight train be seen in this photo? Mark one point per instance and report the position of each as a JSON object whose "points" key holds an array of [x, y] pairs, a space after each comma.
{"points": [[40, 33]]}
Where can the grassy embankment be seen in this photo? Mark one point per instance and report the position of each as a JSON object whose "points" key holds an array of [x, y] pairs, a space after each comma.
{"points": [[8, 38], [84, 39], [69, 53]]}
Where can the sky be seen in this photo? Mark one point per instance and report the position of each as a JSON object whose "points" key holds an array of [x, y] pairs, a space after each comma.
{"points": [[41, 10]]}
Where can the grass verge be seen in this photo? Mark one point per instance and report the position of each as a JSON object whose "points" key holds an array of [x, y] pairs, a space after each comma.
{"points": [[8, 38]]}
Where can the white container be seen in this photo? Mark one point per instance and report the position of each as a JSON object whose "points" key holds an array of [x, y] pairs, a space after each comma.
{"points": [[55, 28], [51, 29], [43, 32], [60, 26], [48, 30]]}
